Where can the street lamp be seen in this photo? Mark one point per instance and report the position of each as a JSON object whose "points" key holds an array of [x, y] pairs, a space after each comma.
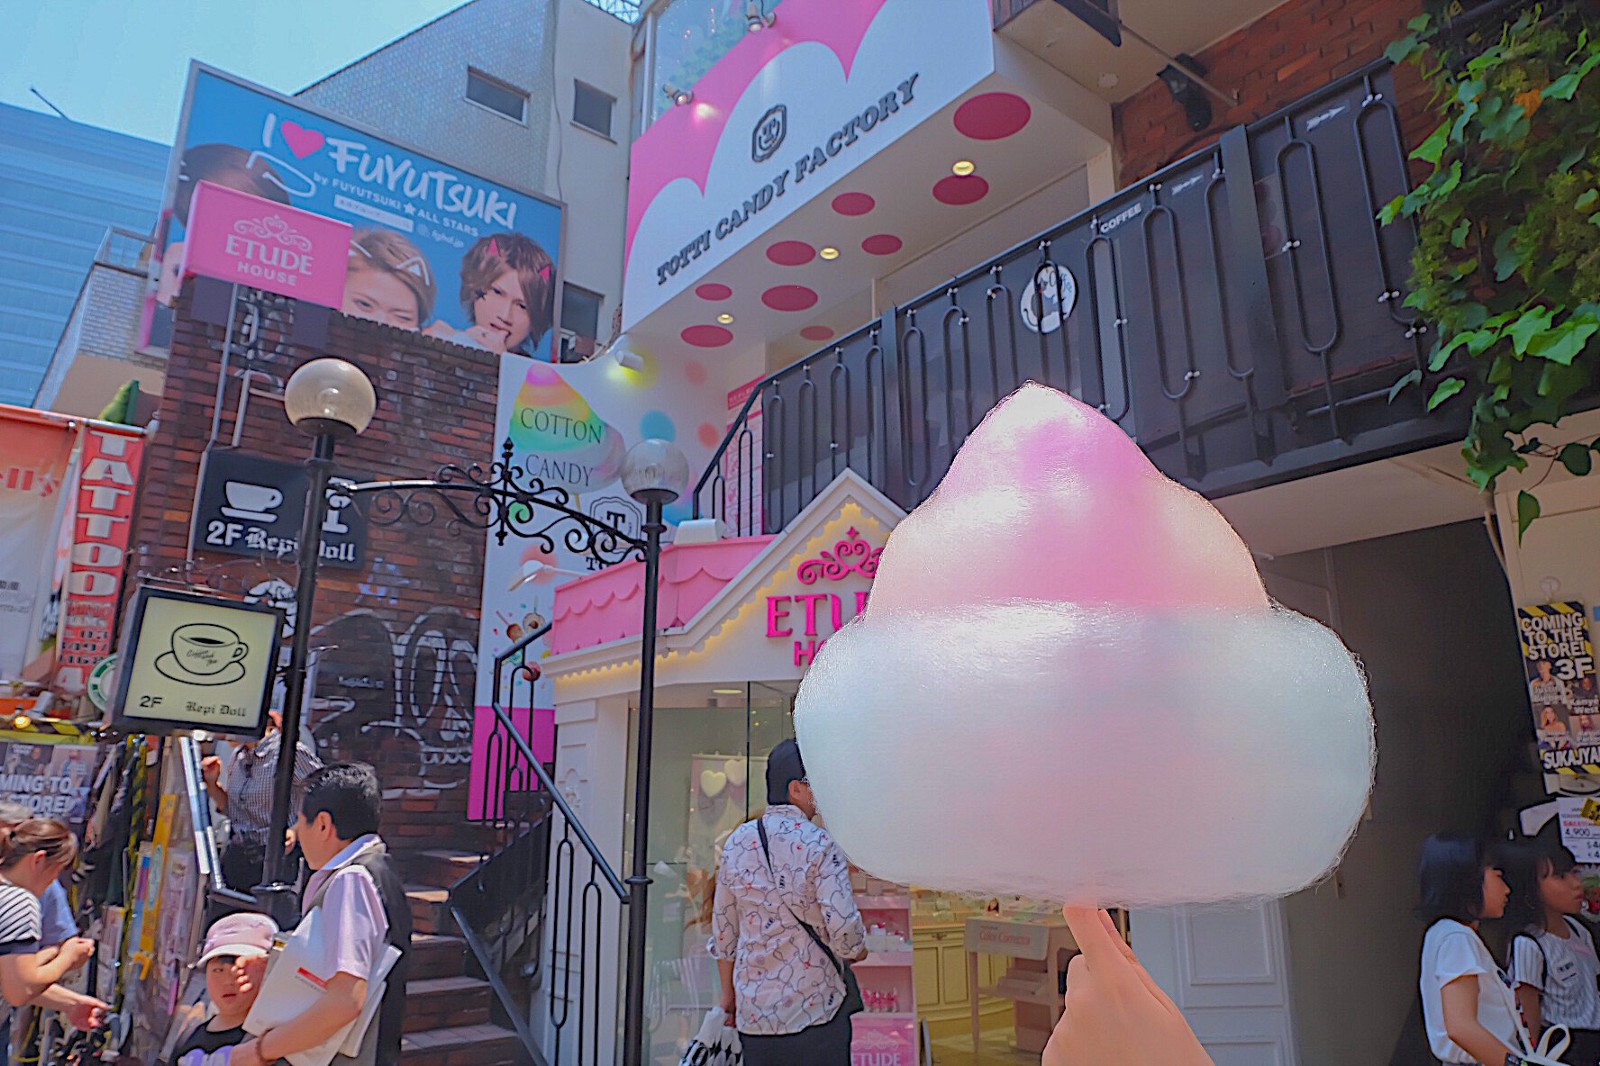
{"points": [[331, 400], [654, 472]]}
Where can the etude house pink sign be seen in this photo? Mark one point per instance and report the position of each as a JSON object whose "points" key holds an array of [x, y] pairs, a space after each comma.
{"points": [[809, 618], [245, 239]]}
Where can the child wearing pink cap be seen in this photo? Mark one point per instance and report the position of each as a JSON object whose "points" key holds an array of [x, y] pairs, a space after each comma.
{"points": [[232, 943]]}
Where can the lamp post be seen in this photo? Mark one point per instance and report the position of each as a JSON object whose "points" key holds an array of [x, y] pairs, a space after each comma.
{"points": [[654, 472], [329, 399]]}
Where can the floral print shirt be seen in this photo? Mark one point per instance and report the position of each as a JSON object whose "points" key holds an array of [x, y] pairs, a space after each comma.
{"points": [[782, 981]]}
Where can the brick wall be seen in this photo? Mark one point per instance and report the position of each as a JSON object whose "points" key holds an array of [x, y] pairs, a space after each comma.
{"points": [[398, 690], [1288, 53]]}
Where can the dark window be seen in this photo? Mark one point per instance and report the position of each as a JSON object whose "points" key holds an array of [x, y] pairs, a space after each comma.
{"points": [[591, 108], [580, 323], [497, 96]]}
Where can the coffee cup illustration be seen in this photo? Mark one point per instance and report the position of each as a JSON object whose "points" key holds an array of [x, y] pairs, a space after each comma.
{"points": [[249, 500], [203, 653]]}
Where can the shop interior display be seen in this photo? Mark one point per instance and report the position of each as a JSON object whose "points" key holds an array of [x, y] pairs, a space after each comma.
{"points": [[1069, 682]]}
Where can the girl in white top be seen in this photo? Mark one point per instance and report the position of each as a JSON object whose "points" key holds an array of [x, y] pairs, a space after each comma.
{"points": [[1554, 968], [1467, 1005]]}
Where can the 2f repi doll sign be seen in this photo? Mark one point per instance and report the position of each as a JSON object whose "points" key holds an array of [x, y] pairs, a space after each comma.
{"points": [[196, 662], [808, 619], [1558, 659]]}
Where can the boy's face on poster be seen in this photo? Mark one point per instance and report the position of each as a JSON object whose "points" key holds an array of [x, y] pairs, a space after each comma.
{"points": [[380, 296], [502, 310]]}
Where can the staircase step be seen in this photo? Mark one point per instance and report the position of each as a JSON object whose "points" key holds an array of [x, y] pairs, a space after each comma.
{"points": [[435, 955], [446, 1002], [430, 909], [441, 867], [462, 1045]]}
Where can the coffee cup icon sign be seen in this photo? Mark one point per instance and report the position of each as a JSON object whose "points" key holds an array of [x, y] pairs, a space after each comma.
{"points": [[251, 502], [203, 653]]}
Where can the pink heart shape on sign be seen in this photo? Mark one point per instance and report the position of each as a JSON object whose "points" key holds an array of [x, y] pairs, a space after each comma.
{"points": [[301, 141]]}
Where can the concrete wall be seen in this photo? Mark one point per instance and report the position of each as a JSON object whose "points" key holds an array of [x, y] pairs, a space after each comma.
{"points": [[415, 88], [587, 172], [1429, 614]]}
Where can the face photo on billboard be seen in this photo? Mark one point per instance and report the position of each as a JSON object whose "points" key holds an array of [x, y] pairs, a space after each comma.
{"points": [[434, 248]]}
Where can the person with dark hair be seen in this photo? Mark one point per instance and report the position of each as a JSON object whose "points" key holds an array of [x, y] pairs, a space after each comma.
{"points": [[221, 164], [33, 855], [247, 799], [783, 918], [1467, 1005], [508, 290], [363, 909], [1554, 969]]}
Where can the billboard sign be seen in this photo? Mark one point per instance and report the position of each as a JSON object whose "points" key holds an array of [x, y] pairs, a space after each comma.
{"points": [[196, 662], [236, 237], [432, 248]]}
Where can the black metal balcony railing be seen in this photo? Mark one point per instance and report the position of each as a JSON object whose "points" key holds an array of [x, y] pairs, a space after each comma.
{"points": [[1241, 314]]}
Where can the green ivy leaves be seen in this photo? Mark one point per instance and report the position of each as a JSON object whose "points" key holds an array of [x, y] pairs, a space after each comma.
{"points": [[1507, 261]]}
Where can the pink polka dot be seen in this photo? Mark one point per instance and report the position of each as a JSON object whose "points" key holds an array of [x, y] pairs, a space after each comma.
{"points": [[853, 203], [710, 436], [706, 336], [817, 333], [695, 371], [959, 191], [993, 116], [712, 290], [789, 298], [791, 253], [883, 243]]}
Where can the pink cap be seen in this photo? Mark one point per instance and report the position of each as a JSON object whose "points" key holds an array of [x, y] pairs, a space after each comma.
{"points": [[244, 935]]}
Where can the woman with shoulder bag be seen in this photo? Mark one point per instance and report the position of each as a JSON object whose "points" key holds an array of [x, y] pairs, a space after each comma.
{"points": [[1554, 969], [784, 928], [1467, 1006]]}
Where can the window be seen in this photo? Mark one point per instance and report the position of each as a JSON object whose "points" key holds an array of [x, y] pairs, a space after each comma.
{"points": [[497, 96], [591, 108], [580, 323]]}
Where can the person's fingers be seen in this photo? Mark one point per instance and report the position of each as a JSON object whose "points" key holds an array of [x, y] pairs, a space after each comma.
{"points": [[1115, 934], [1097, 942]]}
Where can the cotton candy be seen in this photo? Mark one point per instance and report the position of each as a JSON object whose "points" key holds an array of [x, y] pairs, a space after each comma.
{"points": [[1069, 683]]}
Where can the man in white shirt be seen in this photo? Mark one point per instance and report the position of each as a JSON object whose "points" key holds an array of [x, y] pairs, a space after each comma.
{"points": [[782, 987], [363, 910]]}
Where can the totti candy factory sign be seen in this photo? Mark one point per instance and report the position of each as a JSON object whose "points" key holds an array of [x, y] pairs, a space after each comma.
{"points": [[807, 619], [245, 239]]}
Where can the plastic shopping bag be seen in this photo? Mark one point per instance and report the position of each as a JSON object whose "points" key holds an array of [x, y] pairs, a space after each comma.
{"points": [[716, 1044], [1552, 1045]]}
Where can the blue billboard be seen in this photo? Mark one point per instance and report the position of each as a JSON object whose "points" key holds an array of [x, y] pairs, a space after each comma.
{"points": [[436, 248]]}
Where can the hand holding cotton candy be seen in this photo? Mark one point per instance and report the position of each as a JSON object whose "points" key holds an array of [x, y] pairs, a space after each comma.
{"points": [[1069, 683]]}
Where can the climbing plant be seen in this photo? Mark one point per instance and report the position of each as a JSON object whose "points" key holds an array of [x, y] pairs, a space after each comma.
{"points": [[1507, 262]]}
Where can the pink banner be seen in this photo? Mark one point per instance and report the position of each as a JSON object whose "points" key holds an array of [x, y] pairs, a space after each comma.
{"points": [[236, 237], [106, 490]]}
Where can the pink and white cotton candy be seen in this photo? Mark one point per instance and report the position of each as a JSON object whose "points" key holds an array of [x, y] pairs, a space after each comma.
{"points": [[1069, 683]]}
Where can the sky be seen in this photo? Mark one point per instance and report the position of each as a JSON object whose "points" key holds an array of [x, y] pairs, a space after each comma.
{"points": [[122, 64]]}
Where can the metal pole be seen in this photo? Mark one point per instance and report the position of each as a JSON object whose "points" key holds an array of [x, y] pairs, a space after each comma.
{"points": [[276, 893], [639, 882]]}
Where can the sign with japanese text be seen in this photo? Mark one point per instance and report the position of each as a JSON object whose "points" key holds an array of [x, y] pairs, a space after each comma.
{"points": [[107, 488]]}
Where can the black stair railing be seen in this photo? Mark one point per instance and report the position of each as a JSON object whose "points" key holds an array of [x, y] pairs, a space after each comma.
{"points": [[547, 896], [1240, 314]]}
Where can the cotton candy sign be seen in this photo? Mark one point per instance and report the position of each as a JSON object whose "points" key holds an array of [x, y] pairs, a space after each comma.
{"points": [[1069, 683]]}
